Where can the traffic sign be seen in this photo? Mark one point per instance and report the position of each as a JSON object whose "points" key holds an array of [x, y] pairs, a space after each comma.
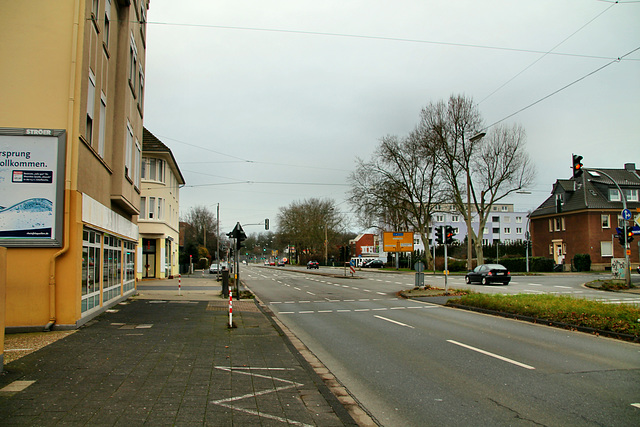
{"points": [[419, 266], [626, 214]]}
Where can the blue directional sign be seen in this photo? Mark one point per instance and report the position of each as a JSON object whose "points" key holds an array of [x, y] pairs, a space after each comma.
{"points": [[626, 214]]}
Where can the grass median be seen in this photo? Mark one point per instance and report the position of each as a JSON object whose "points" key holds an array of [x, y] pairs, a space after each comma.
{"points": [[616, 318]]}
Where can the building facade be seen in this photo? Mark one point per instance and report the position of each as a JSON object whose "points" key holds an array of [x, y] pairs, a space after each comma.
{"points": [[581, 215], [158, 221], [73, 71]]}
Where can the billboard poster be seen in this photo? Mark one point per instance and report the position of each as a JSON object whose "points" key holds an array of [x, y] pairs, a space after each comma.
{"points": [[397, 241], [31, 187]]}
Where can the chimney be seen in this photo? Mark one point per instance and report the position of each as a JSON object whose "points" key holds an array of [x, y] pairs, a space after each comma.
{"points": [[630, 167]]}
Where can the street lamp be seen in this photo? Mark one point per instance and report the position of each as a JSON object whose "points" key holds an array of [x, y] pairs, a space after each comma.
{"points": [[475, 138]]}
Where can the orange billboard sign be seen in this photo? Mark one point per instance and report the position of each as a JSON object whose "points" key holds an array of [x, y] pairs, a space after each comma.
{"points": [[397, 241]]}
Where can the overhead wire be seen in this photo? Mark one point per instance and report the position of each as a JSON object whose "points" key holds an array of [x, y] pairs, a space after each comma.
{"points": [[547, 53]]}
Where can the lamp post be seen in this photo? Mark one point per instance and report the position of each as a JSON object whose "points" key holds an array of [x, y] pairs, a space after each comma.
{"points": [[475, 138]]}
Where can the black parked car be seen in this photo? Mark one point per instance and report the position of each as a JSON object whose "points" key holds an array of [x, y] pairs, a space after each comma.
{"points": [[489, 273], [373, 263], [313, 264]]}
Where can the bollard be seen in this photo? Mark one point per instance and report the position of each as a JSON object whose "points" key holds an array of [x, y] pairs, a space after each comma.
{"points": [[179, 284], [230, 310]]}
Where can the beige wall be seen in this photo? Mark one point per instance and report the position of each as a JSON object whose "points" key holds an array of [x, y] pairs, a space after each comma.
{"points": [[48, 48]]}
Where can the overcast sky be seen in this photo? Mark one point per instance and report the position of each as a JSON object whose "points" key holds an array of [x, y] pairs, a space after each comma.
{"points": [[268, 102]]}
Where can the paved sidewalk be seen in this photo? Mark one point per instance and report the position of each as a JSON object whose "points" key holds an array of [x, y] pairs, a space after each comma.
{"points": [[166, 359]]}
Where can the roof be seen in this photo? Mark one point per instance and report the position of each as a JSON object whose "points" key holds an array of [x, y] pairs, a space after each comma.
{"points": [[590, 191], [151, 144]]}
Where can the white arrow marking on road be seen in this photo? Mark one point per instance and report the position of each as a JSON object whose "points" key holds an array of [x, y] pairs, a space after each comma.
{"points": [[393, 321], [497, 356]]}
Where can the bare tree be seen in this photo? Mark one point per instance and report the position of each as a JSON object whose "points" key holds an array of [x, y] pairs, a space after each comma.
{"points": [[398, 188], [491, 167], [203, 230], [305, 224]]}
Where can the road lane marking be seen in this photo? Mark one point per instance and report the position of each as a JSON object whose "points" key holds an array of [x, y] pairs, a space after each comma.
{"points": [[497, 356], [563, 287], [393, 321], [380, 293]]}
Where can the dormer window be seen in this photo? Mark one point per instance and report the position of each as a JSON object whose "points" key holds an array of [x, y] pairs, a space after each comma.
{"points": [[614, 195]]}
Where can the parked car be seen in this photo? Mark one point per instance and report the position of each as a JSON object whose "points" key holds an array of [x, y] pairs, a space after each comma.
{"points": [[313, 264], [373, 263], [489, 273], [214, 269], [281, 263]]}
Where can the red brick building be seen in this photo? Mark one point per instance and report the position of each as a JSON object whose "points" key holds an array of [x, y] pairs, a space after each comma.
{"points": [[581, 216]]}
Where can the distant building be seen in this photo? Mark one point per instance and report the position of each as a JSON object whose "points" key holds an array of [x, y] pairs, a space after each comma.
{"points": [[158, 221], [581, 215], [72, 85]]}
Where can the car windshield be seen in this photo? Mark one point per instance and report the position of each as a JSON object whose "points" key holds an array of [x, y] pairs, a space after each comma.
{"points": [[496, 267]]}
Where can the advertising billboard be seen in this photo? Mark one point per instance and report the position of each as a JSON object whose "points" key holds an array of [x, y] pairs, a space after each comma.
{"points": [[397, 241], [32, 163]]}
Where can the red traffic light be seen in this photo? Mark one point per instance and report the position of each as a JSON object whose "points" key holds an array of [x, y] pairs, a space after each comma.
{"points": [[577, 165]]}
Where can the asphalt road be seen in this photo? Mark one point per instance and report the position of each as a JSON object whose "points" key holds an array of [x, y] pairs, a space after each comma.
{"points": [[410, 363]]}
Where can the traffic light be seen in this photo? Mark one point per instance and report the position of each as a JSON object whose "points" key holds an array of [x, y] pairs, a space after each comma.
{"points": [[266, 224], [577, 166], [439, 239], [448, 234], [621, 237], [629, 235]]}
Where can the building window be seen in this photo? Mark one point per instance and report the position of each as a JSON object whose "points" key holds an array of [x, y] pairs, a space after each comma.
{"points": [[505, 208], [439, 218], [140, 87], [455, 218], [153, 169], [137, 165], [91, 259], [143, 208], [495, 219], [129, 266], [143, 19], [107, 23], [518, 230], [519, 220], [507, 230], [133, 64], [614, 195], [111, 268], [160, 209], [558, 224], [485, 230], [550, 226], [152, 207], [94, 9], [128, 152], [605, 221], [496, 230], [606, 249], [506, 219], [91, 99], [631, 195], [103, 124]]}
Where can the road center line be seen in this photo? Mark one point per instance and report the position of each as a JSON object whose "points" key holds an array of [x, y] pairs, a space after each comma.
{"points": [[393, 321], [497, 356]]}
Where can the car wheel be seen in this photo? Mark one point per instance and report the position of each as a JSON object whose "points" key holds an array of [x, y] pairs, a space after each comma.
{"points": [[485, 281], [468, 280]]}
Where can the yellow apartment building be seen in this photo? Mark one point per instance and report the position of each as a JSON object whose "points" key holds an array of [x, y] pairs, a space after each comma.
{"points": [[158, 221], [71, 129]]}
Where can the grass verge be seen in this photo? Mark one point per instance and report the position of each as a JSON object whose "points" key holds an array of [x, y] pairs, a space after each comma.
{"points": [[616, 318]]}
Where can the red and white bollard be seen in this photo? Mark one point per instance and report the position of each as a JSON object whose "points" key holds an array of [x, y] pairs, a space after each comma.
{"points": [[230, 310], [179, 284]]}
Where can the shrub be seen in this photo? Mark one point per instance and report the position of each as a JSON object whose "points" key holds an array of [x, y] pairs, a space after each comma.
{"points": [[582, 262]]}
